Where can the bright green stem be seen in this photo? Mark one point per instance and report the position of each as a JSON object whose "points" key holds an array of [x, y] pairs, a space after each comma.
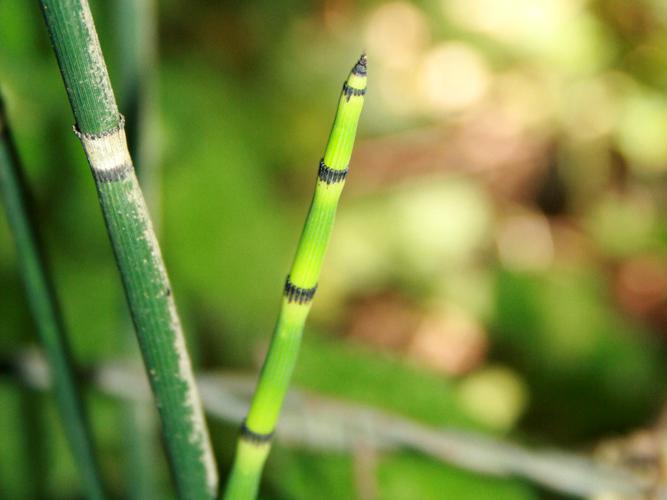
{"points": [[255, 438], [135, 247], [47, 316]]}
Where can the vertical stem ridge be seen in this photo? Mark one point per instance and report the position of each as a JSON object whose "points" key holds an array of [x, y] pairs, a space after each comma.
{"points": [[47, 316], [147, 289], [255, 439]]}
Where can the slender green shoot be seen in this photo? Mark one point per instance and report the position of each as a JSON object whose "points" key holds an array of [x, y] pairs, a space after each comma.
{"points": [[101, 130], [257, 430], [47, 315]]}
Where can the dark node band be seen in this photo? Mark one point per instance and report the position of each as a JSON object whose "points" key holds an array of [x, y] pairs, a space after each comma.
{"points": [[330, 175], [296, 294], [112, 174], [350, 91], [101, 135], [254, 437], [361, 67]]}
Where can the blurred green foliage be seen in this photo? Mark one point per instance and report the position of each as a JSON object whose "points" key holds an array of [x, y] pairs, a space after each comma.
{"points": [[511, 168]]}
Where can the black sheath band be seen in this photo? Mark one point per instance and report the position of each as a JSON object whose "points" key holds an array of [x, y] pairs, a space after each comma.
{"points": [[112, 174], [350, 91], [254, 437], [296, 294], [330, 175]]}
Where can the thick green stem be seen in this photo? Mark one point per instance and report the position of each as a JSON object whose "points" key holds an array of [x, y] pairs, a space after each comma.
{"points": [[255, 438], [147, 288], [47, 316]]}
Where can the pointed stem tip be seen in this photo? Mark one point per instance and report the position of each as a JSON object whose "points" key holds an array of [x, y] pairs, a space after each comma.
{"points": [[361, 67]]}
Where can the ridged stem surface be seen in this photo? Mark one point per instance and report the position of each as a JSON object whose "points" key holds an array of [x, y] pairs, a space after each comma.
{"points": [[256, 433], [47, 315], [147, 288]]}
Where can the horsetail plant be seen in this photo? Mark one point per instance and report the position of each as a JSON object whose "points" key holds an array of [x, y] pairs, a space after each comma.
{"points": [[46, 313], [257, 430], [100, 128]]}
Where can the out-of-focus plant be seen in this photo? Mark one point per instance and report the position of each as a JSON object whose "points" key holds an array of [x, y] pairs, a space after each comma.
{"points": [[46, 313]]}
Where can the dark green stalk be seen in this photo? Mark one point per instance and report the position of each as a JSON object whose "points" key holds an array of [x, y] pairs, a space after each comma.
{"points": [[101, 130], [47, 315], [256, 433]]}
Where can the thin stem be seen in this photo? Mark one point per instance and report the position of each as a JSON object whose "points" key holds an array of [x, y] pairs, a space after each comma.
{"points": [[47, 315], [101, 130], [256, 433]]}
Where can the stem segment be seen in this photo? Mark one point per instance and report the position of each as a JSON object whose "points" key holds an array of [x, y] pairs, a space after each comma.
{"points": [[47, 315], [101, 130], [257, 430]]}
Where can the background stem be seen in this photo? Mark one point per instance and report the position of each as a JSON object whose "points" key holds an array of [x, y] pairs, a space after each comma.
{"points": [[46, 313], [333, 425]]}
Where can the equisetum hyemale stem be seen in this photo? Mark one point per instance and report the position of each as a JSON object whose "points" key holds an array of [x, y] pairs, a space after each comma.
{"points": [[100, 128], [46, 313], [257, 430]]}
